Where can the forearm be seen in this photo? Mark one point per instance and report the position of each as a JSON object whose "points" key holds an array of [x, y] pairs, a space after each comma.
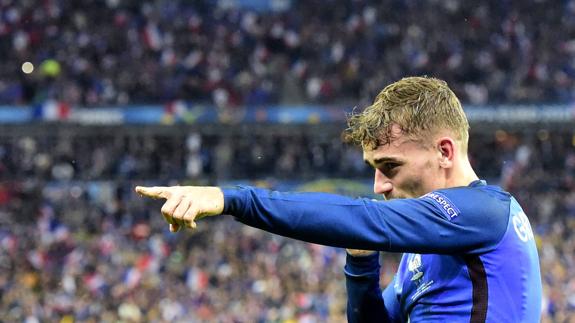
{"points": [[364, 298], [417, 225], [314, 217]]}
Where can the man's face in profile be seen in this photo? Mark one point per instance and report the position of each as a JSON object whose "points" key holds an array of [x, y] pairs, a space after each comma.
{"points": [[404, 168]]}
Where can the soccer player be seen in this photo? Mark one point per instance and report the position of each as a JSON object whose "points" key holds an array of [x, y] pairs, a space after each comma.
{"points": [[470, 254]]}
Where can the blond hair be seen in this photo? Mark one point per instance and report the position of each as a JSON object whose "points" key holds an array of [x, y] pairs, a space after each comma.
{"points": [[420, 106]]}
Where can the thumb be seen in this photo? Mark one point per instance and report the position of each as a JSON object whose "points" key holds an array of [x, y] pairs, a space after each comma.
{"points": [[174, 227], [154, 192]]}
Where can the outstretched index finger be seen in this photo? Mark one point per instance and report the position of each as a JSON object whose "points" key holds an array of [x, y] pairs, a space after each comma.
{"points": [[155, 192]]}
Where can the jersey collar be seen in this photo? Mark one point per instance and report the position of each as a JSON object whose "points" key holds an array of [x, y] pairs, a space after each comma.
{"points": [[478, 182]]}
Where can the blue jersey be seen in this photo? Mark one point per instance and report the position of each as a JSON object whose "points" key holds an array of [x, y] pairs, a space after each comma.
{"points": [[470, 254]]}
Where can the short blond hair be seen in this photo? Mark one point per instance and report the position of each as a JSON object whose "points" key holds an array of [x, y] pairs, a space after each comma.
{"points": [[420, 106]]}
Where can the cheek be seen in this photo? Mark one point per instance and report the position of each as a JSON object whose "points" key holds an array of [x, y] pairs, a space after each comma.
{"points": [[417, 182], [411, 186]]}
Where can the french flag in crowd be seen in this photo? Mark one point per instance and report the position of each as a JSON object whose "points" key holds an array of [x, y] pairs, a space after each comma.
{"points": [[174, 111], [153, 36], [52, 110], [94, 282], [196, 279], [176, 108], [132, 277]]}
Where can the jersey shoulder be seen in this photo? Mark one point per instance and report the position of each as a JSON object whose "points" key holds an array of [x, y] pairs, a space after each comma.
{"points": [[480, 208], [470, 201]]}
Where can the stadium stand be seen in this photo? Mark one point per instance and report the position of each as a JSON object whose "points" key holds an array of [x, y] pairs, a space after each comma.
{"points": [[76, 242], [131, 52], [77, 245]]}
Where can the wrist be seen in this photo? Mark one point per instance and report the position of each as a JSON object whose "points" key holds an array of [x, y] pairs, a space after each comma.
{"points": [[360, 253], [233, 200], [216, 197], [359, 266]]}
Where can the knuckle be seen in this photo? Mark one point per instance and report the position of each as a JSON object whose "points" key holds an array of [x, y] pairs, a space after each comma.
{"points": [[175, 196], [181, 208], [189, 216], [177, 215], [165, 209]]}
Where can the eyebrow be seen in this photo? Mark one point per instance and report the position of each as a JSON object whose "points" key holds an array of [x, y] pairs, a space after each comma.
{"points": [[381, 160]]}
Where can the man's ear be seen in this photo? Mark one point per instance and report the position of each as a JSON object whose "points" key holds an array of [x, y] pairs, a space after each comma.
{"points": [[446, 147]]}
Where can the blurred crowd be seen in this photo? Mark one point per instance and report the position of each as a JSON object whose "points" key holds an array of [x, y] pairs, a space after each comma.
{"points": [[102, 52], [76, 244], [62, 156]]}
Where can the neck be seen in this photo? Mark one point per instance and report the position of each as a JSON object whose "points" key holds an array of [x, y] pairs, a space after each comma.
{"points": [[462, 174]]}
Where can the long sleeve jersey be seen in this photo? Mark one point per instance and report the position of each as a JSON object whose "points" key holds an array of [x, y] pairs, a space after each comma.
{"points": [[470, 254]]}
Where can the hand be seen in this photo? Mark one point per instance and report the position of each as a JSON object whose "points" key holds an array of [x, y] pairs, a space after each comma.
{"points": [[185, 204], [360, 253]]}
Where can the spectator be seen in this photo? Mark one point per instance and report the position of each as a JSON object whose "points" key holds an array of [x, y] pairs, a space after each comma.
{"points": [[85, 248], [89, 52]]}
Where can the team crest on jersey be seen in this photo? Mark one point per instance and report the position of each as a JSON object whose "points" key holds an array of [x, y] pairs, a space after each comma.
{"points": [[445, 205], [414, 266]]}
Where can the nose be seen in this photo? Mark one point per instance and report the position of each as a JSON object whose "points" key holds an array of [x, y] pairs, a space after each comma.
{"points": [[381, 184]]}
